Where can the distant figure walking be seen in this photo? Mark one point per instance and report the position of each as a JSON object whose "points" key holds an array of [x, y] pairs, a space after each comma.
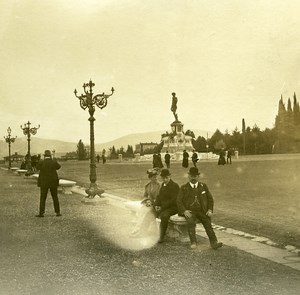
{"points": [[229, 154], [185, 159], [167, 159], [155, 161], [98, 158], [48, 179], [222, 160], [159, 161], [103, 159], [195, 158]]}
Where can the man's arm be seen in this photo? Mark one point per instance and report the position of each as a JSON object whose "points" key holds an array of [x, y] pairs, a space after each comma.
{"points": [[210, 199]]}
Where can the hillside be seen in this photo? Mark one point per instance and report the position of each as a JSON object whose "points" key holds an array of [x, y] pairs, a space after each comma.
{"points": [[38, 145]]}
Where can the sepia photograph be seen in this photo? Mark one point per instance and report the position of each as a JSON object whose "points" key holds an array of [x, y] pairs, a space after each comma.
{"points": [[149, 147]]}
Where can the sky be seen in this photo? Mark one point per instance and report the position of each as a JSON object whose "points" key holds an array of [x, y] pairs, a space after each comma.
{"points": [[225, 60]]}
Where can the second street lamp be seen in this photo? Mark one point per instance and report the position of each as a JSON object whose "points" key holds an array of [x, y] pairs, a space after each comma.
{"points": [[88, 101], [28, 132], [9, 140]]}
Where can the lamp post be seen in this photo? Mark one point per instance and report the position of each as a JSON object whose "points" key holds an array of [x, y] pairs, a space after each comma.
{"points": [[89, 100], [28, 132], [9, 140]]}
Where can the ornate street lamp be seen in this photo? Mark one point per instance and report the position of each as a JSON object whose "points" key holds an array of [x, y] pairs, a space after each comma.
{"points": [[28, 132], [9, 140], [89, 100]]}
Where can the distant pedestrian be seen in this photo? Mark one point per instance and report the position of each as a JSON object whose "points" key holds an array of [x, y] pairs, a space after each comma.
{"points": [[155, 161], [159, 161], [195, 158], [103, 159], [48, 179], [185, 159], [165, 204], [167, 159], [229, 154], [98, 158], [23, 165], [222, 160], [196, 204]]}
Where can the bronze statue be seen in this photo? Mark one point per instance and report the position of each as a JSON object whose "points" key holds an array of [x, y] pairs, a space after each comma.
{"points": [[174, 105]]}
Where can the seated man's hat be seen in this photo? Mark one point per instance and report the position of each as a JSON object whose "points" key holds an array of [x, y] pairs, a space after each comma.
{"points": [[193, 171], [165, 172]]}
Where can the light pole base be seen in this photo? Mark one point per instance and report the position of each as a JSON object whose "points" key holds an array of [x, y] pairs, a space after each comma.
{"points": [[94, 195]]}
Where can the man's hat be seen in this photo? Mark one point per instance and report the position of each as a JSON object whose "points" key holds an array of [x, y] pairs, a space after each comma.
{"points": [[194, 171], [165, 172], [47, 153]]}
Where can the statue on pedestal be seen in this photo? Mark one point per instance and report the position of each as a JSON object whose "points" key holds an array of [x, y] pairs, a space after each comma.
{"points": [[174, 106]]}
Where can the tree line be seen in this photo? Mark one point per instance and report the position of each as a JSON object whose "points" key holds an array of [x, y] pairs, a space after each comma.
{"points": [[284, 137]]}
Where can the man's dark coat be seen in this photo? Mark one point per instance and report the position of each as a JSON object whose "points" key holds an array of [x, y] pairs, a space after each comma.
{"points": [[48, 176]]}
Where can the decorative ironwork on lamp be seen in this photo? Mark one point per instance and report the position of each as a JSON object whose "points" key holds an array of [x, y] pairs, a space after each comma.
{"points": [[9, 140], [88, 101], [27, 131]]}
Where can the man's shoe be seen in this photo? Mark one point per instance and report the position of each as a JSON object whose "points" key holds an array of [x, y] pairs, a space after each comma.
{"points": [[39, 215], [216, 245], [193, 246], [58, 214]]}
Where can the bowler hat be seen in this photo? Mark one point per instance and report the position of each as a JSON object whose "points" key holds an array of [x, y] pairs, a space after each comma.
{"points": [[194, 171], [165, 172], [47, 153]]}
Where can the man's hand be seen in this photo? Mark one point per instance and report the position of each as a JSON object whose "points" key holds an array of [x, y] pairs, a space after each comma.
{"points": [[209, 213], [187, 213]]}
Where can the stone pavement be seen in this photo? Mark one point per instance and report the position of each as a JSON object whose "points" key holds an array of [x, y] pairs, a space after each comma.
{"points": [[259, 246], [88, 250]]}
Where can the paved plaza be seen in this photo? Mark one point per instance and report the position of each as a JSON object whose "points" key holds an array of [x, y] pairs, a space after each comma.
{"points": [[88, 251]]}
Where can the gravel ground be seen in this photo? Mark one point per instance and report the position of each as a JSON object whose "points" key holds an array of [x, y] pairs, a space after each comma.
{"points": [[88, 251]]}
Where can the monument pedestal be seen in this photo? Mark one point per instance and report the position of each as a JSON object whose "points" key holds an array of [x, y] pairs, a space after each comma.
{"points": [[177, 141]]}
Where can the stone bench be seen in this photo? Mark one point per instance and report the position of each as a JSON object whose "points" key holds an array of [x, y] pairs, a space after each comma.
{"points": [[177, 227], [14, 169], [21, 171], [65, 186]]}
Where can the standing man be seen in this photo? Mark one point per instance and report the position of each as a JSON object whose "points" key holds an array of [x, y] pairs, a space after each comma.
{"points": [[159, 161], [229, 153], [165, 204], [195, 158], [98, 158], [167, 159], [196, 203], [48, 179]]}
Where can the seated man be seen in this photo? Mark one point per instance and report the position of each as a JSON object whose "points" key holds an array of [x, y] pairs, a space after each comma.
{"points": [[165, 204], [196, 203]]}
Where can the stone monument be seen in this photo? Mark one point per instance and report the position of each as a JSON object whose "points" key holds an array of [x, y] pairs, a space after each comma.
{"points": [[177, 140]]}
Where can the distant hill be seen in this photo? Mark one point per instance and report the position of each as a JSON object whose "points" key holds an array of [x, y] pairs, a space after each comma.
{"points": [[39, 145]]}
